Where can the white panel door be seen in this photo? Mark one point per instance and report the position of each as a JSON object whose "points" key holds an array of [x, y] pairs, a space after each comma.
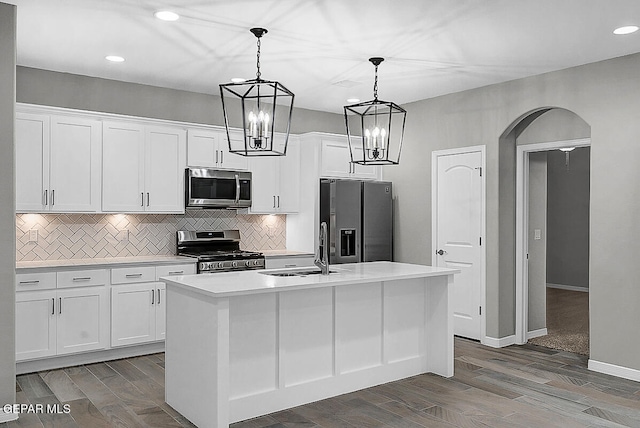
{"points": [[122, 167], [75, 164], [32, 162], [35, 324], [458, 232], [133, 313], [202, 148], [83, 320], [165, 161]]}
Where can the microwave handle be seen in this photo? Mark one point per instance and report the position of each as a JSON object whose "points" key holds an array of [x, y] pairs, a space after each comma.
{"points": [[237, 189]]}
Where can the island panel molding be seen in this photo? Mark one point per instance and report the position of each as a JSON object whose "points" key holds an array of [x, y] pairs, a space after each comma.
{"points": [[245, 344]]}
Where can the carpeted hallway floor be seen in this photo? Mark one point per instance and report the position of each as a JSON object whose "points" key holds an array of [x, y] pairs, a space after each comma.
{"points": [[567, 321]]}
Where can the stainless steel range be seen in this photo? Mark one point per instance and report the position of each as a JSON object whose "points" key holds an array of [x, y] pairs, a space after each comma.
{"points": [[217, 251]]}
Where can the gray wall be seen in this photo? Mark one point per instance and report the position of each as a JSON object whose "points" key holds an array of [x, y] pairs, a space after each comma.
{"points": [[537, 293], [555, 125], [604, 95], [35, 86], [568, 218], [7, 204]]}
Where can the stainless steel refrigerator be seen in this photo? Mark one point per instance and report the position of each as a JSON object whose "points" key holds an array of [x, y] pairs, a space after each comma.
{"points": [[360, 219]]}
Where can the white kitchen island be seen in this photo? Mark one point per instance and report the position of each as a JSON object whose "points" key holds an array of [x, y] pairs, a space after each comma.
{"points": [[244, 344]]}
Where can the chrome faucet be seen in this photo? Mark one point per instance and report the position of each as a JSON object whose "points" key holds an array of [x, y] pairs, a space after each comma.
{"points": [[322, 256]]}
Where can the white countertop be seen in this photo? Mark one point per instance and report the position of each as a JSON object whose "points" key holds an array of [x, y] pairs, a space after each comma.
{"points": [[103, 262], [253, 282]]}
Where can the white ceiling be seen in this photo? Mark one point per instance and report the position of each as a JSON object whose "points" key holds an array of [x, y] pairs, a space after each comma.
{"points": [[432, 47]]}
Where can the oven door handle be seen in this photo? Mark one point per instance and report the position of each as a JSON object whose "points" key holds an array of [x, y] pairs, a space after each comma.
{"points": [[237, 189]]}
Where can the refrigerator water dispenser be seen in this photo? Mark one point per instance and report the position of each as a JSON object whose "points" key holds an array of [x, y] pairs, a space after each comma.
{"points": [[347, 242]]}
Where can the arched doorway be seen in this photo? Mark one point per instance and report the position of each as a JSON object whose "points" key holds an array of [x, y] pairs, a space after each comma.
{"points": [[539, 133]]}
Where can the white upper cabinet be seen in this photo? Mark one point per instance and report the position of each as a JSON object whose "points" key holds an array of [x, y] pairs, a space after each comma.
{"points": [[210, 149], [164, 169], [143, 168], [32, 162], [122, 167], [275, 181], [75, 170], [336, 161], [57, 163]]}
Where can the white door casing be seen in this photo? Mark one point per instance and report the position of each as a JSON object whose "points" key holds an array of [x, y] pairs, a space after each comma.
{"points": [[458, 225], [522, 226]]}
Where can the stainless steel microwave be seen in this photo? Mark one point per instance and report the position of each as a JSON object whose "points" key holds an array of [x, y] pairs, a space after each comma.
{"points": [[213, 188]]}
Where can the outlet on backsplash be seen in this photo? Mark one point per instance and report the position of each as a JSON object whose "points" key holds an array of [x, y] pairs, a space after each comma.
{"points": [[33, 235], [123, 235]]}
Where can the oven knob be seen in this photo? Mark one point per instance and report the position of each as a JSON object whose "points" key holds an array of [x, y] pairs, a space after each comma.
{"points": [[247, 263], [220, 265], [256, 262], [234, 264]]}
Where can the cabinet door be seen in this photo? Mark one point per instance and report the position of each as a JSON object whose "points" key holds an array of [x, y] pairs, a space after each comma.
{"points": [[83, 320], [202, 148], [165, 161], [122, 167], [35, 324], [365, 172], [264, 183], [230, 160], [161, 311], [335, 160], [75, 164], [32, 162], [289, 176], [133, 314]]}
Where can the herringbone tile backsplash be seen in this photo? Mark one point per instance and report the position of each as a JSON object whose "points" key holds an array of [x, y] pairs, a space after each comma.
{"points": [[80, 236]]}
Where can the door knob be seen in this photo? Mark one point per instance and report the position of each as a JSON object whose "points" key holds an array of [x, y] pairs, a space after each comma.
{"points": [[441, 252]]}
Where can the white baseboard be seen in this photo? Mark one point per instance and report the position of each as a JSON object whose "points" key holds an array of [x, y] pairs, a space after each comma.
{"points": [[7, 417], [536, 333], [501, 342], [612, 369], [568, 287]]}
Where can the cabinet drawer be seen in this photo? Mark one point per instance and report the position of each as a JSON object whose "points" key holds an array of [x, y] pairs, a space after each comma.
{"points": [[133, 274], [82, 278], [288, 262], [35, 281], [171, 270]]}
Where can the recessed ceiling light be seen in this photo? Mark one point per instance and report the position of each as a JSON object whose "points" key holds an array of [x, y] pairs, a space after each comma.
{"points": [[166, 15], [353, 100], [626, 30], [567, 149], [238, 79], [114, 58]]}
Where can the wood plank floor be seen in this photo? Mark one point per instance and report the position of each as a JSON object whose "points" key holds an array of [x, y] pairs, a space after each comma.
{"points": [[517, 386]]}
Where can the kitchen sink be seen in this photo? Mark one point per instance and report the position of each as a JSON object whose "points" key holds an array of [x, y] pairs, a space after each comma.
{"points": [[303, 272]]}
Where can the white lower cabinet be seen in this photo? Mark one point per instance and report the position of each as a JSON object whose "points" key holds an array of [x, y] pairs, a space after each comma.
{"points": [[137, 313], [58, 322], [138, 302], [71, 311]]}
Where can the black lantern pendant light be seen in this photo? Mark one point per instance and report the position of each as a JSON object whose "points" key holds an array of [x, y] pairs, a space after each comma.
{"points": [[375, 128], [264, 107]]}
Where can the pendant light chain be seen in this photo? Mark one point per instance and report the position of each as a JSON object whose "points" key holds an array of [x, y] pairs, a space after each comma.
{"points": [[258, 60], [375, 85]]}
